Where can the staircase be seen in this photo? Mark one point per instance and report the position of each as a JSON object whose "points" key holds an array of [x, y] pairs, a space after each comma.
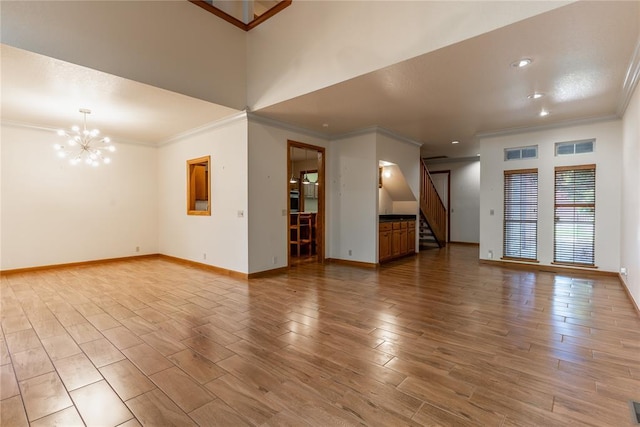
{"points": [[433, 215], [427, 239]]}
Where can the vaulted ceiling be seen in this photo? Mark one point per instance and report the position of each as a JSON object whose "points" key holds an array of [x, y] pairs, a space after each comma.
{"points": [[585, 61]]}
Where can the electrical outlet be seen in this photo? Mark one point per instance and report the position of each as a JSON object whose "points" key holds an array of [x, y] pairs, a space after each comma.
{"points": [[490, 254], [204, 256], [491, 212], [623, 271], [137, 248], [274, 260], [240, 214], [284, 212], [350, 252]]}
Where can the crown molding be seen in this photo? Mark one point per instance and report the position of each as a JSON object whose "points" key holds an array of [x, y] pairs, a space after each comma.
{"points": [[115, 140], [630, 81], [376, 129], [256, 118], [330, 137], [240, 115], [557, 125]]}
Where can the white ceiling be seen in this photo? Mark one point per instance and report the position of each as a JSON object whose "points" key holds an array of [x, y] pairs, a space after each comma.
{"points": [[581, 54], [47, 92]]}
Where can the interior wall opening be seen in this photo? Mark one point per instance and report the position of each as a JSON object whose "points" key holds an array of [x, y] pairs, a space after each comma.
{"points": [[306, 209]]}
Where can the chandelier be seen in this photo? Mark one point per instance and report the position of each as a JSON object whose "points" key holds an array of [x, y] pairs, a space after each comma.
{"points": [[84, 146]]}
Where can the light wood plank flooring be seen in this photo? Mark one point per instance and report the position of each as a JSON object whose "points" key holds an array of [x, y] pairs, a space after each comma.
{"points": [[437, 339]]}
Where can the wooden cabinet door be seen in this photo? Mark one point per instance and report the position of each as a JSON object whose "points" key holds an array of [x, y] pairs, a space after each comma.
{"points": [[403, 241], [395, 243], [384, 245], [411, 237]]}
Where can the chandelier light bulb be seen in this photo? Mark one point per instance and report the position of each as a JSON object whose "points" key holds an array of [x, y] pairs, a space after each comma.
{"points": [[83, 145]]}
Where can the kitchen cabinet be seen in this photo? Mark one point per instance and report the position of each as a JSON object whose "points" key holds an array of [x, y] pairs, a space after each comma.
{"points": [[396, 239], [384, 241]]}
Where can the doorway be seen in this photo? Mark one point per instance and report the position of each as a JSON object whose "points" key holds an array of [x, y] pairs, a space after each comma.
{"points": [[442, 183], [306, 207]]}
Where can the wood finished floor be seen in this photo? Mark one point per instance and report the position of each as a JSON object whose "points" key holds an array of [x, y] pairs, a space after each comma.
{"points": [[433, 340]]}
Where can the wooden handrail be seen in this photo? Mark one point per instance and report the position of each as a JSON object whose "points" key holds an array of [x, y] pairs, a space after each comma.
{"points": [[431, 206]]}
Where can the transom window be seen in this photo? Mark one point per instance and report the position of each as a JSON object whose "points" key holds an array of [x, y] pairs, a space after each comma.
{"points": [[530, 152]]}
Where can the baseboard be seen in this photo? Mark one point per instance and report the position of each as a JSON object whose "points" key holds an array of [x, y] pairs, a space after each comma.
{"points": [[219, 270], [548, 268], [268, 273], [76, 264], [464, 243], [351, 263], [626, 289], [213, 268]]}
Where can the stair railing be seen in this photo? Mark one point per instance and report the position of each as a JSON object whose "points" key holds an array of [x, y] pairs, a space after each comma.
{"points": [[432, 207]]}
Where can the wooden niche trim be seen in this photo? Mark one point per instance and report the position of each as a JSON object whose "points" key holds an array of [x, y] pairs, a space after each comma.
{"points": [[199, 186]]}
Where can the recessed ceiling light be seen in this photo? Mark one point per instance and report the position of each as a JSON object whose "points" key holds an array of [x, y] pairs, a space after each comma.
{"points": [[455, 142], [544, 113], [536, 95], [522, 63]]}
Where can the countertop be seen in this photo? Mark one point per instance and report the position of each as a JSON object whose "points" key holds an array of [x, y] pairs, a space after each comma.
{"points": [[396, 217]]}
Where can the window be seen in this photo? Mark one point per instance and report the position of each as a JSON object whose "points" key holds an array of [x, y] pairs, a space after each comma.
{"points": [[575, 147], [575, 215], [530, 152], [521, 214]]}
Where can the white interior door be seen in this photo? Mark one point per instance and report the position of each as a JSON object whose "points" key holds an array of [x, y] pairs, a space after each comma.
{"points": [[441, 182]]}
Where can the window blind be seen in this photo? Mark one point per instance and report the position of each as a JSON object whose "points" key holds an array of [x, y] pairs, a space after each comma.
{"points": [[575, 215], [520, 237]]}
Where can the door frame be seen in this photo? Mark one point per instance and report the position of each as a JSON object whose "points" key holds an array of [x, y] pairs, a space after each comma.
{"points": [[448, 172], [320, 216]]}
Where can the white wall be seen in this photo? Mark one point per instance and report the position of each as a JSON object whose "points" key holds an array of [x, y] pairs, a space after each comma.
{"points": [[385, 202], [55, 213], [607, 157], [174, 45], [269, 193], [314, 44], [464, 203], [353, 191], [630, 218], [223, 236]]}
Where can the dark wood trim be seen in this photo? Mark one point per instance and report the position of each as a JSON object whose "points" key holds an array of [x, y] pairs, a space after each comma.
{"points": [[466, 243], [352, 263], [572, 264], [220, 14], [219, 270], [448, 172], [76, 264], [520, 171], [269, 13], [320, 216], [511, 258], [268, 273], [238, 23], [547, 268], [571, 168]]}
